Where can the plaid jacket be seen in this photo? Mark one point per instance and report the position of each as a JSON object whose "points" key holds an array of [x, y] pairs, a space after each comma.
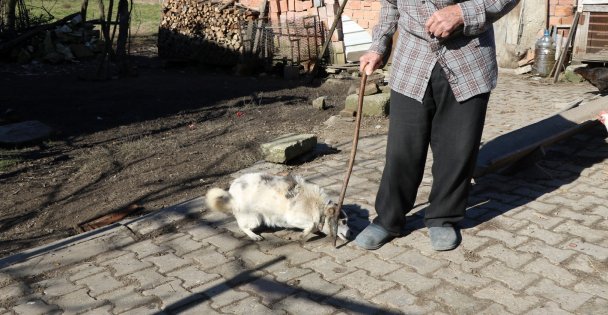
{"points": [[468, 58]]}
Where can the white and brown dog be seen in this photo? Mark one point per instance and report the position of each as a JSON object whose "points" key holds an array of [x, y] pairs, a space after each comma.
{"points": [[259, 199]]}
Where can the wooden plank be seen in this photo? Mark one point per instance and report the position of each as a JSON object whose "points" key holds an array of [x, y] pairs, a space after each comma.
{"points": [[515, 145]]}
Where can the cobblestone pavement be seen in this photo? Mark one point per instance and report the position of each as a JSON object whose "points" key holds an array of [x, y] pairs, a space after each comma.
{"points": [[535, 242]]}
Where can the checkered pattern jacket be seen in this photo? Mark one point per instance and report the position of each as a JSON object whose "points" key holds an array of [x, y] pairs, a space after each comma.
{"points": [[468, 58]]}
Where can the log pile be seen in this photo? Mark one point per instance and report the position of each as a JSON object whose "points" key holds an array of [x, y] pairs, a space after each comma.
{"points": [[204, 30]]}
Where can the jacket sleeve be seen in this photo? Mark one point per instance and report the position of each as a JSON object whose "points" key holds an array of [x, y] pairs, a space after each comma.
{"points": [[382, 35], [479, 15]]}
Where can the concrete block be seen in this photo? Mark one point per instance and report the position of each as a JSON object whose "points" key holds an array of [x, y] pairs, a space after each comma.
{"points": [[320, 103], [373, 105], [287, 147]]}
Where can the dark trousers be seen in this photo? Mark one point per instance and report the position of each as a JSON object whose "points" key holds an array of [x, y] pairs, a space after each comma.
{"points": [[453, 131]]}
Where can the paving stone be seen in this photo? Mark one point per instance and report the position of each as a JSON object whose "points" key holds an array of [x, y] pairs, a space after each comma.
{"points": [[202, 231], [225, 242], [585, 219], [513, 301], [171, 215], [147, 279], [548, 308], [414, 282], [145, 248], [5, 279], [182, 245], [420, 263], [553, 254], [598, 252], [594, 306], [249, 306], [100, 283], [546, 221], [172, 295], [36, 307], [493, 310], [588, 234], [511, 240], [567, 299], [201, 307], [458, 302], [252, 256], [587, 265], [57, 286], [77, 302], [14, 290], [542, 234], [167, 262], [302, 304], [295, 254], [328, 269], [103, 310], [125, 299], [340, 255], [208, 257], [151, 309], [454, 275], [126, 264], [269, 290], [368, 286], [549, 270], [594, 287], [513, 259], [388, 251], [374, 266], [80, 248], [314, 285], [514, 279], [220, 293], [401, 300], [192, 276], [109, 255], [235, 273], [83, 270], [467, 260], [283, 272], [350, 301]]}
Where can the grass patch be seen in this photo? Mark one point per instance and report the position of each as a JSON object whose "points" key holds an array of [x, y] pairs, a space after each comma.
{"points": [[6, 162], [144, 20]]}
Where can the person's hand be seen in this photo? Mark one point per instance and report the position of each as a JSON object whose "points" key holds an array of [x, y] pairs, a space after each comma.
{"points": [[369, 62], [444, 22]]}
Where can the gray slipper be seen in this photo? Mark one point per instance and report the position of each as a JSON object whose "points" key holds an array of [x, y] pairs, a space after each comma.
{"points": [[373, 237], [443, 237]]}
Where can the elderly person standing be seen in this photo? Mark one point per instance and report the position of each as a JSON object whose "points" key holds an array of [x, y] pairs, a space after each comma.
{"points": [[443, 69]]}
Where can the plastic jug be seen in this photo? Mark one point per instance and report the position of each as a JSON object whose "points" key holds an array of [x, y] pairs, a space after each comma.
{"points": [[544, 55]]}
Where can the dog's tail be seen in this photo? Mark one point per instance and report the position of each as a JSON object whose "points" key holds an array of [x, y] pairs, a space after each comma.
{"points": [[219, 200]]}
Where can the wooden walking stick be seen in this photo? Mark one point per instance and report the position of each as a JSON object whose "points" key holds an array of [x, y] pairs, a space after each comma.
{"points": [[353, 152]]}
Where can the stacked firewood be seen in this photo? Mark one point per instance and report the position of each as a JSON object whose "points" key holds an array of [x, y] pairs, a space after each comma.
{"points": [[206, 30]]}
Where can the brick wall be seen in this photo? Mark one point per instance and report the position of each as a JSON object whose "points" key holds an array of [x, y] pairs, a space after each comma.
{"points": [[364, 12], [561, 12]]}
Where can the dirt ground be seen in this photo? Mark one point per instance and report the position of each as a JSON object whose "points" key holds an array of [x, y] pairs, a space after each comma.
{"points": [[155, 140]]}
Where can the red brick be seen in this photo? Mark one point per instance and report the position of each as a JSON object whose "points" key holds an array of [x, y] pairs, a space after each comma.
{"points": [[354, 5], [563, 10], [376, 6], [567, 20], [274, 6], [367, 3], [291, 4], [553, 20], [283, 6], [306, 4], [368, 15]]}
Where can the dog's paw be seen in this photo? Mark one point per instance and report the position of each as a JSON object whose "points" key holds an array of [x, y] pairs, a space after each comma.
{"points": [[256, 237]]}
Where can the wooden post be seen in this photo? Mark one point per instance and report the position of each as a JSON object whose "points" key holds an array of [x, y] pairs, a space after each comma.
{"points": [[562, 56], [337, 18]]}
